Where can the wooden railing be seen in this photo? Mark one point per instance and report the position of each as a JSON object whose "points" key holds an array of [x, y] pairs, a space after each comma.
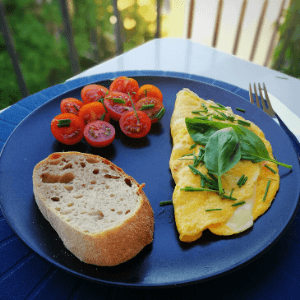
{"points": [[262, 13], [73, 54]]}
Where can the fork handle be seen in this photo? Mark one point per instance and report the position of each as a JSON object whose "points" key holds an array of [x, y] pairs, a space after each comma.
{"points": [[293, 138]]}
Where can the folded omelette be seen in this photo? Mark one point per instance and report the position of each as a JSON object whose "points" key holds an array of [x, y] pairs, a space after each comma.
{"points": [[196, 211]]}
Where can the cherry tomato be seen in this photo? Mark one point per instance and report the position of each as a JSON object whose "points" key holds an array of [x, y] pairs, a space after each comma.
{"points": [[152, 107], [149, 90], [71, 105], [99, 133], [93, 93], [93, 111], [133, 127], [67, 128], [117, 103], [125, 85]]}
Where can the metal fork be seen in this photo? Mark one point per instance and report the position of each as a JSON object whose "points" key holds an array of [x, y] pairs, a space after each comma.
{"points": [[269, 110]]}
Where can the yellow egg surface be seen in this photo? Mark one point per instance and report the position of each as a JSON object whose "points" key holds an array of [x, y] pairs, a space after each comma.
{"points": [[196, 211]]}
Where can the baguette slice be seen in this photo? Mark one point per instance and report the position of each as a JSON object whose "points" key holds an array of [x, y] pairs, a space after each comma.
{"points": [[101, 214]]}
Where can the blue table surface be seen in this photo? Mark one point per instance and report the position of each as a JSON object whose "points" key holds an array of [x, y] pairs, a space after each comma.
{"points": [[25, 275]]}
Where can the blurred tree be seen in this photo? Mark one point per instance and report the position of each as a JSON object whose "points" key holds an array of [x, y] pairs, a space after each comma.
{"points": [[37, 30], [286, 55]]}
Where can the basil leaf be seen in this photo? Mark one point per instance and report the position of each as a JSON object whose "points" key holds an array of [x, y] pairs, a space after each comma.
{"points": [[253, 148], [199, 132], [222, 152]]}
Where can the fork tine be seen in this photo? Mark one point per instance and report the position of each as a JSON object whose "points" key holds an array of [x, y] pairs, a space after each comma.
{"points": [[256, 96], [270, 108], [251, 94], [262, 98]]}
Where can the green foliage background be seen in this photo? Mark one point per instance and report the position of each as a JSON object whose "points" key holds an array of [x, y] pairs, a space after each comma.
{"points": [[286, 57], [42, 49]]}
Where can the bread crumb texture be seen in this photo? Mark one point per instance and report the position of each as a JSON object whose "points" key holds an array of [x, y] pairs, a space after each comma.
{"points": [[92, 196]]}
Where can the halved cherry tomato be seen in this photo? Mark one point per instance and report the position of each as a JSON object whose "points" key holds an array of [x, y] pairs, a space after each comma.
{"points": [[67, 128], [125, 85], [93, 111], [152, 107], [149, 90], [116, 104], [133, 127], [99, 133], [93, 92], [71, 105]]}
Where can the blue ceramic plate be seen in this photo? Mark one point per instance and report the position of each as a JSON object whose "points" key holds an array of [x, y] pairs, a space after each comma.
{"points": [[167, 261]]}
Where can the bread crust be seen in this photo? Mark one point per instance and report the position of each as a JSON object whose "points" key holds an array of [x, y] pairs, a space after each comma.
{"points": [[109, 247]]}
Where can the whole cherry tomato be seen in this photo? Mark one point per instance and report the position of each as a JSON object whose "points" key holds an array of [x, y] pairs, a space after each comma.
{"points": [[149, 90], [93, 111], [67, 128], [93, 92], [116, 104], [71, 105], [99, 133], [135, 127], [125, 85], [152, 107]]}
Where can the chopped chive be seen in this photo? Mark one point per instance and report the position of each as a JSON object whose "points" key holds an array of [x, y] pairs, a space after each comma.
{"points": [[205, 107], [64, 123], [213, 209], [202, 182], [240, 109], [241, 122], [270, 169], [133, 93], [217, 107], [266, 191], [165, 202], [75, 107], [239, 203], [228, 197], [239, 183], [160, 114], [221, 105], [193, 146], [244, 181], [107, 93], [192, 189], [231, 192], [102, 117], [209, 115], [222, 114], [146, 91], [219, 117], [146, 106], [134, 107]]}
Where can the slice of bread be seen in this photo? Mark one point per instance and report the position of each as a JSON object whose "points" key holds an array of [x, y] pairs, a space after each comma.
{"points": [[101, 214]]}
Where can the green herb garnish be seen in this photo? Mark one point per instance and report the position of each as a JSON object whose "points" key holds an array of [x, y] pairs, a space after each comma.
{"points": [[241, 122], [146, 106], [270, 169], [213, 209], [219, 118], [217, 107], [75, 107], [204, 107], [133, 107], [228, 197], [221, 105], [193, 146], [239, 203], [117, 100], [64, 123], [240, 109], [160, 114], [102, 117], [165, 202], [266, 191], [193, 189]]}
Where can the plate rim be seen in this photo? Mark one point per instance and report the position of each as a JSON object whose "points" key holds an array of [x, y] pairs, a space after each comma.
{"points": [[101, 77]]}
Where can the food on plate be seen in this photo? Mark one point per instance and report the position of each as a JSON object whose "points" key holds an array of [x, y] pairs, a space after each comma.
{"points": [[153, 107], [67, 128], [93, 111], [116, 104], [100, 213], [93, 92], [125, 85], [99, 133], [135, 124], [149, 90], [223, 167], [71, 105]]}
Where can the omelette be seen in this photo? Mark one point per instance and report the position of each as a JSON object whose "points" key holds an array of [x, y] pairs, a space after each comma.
{"points": [[198, 210]]}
